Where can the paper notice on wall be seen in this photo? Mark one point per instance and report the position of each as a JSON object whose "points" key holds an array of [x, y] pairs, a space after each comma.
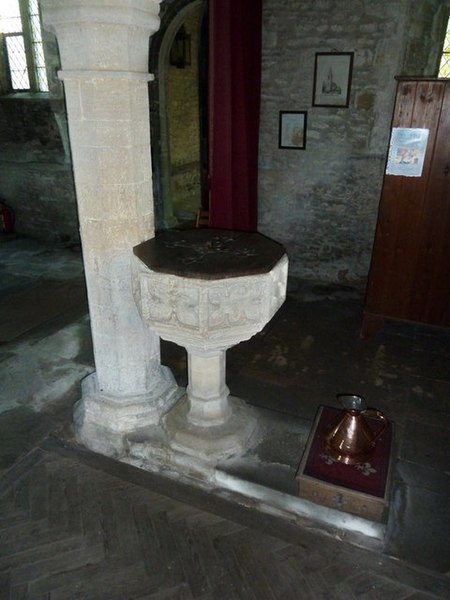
{"points": [[407, 151]]}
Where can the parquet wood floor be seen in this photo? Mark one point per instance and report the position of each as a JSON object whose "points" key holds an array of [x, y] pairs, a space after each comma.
{"points": [[69, 531]]}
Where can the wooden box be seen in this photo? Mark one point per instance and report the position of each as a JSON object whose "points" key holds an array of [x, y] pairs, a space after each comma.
{"points": [[362, 489]]}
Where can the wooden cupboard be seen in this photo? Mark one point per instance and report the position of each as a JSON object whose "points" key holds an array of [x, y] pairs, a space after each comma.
{"points": [[409, 277]]}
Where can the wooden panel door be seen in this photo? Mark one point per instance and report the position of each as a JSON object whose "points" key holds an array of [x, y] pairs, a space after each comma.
{"points": [[409, 277]]}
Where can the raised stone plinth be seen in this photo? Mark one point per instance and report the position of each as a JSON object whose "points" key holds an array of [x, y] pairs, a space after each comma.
{"points": [[208, 290]]}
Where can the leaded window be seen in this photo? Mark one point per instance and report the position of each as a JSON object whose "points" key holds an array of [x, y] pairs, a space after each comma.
{"points": [[23, 53], [444, 67]]}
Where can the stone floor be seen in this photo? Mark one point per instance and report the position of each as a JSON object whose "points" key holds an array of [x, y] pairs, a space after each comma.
{"points": [[308, 353]]}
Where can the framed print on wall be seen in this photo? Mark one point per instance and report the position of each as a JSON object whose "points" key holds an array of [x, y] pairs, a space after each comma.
{"points": [[332, 79], [292, 129]]}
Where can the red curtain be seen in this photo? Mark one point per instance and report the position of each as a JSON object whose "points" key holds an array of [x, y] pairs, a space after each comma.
{"points": [[234, 101]]}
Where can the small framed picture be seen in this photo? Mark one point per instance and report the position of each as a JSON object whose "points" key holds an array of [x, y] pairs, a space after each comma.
{"points": [[292, 130], [332, 79]]}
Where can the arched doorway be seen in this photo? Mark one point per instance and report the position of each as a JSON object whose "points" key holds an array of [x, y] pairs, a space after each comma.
{"points": [[177, 109], [205, 150]]}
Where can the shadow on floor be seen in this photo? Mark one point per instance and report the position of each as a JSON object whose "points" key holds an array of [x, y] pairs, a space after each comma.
{"points": [[311, 351]]}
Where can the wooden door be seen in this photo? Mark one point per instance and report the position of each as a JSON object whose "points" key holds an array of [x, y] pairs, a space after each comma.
{"points": [[409, 277]]}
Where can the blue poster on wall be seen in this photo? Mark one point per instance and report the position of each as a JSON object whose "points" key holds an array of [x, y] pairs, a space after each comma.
{"points": [[407, 151]]}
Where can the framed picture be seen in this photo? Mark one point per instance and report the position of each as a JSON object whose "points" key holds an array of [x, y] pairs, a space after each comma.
{"points": [[332, 79], [292, 130]]}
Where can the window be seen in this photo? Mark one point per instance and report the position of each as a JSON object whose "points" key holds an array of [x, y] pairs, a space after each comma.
{"points": [[444, 67], [23, 54]]}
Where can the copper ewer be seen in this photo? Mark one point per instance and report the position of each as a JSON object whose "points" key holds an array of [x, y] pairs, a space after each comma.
{"points": [[351, 440]]}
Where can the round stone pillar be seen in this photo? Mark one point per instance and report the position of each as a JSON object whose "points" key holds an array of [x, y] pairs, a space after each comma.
{"points": [[104, 55]]}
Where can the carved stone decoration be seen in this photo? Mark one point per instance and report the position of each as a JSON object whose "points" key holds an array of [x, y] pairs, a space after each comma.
{"points": [[203, 314], [208, 311]]}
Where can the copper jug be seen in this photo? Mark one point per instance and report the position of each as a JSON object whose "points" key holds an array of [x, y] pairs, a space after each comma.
{"points": [[351, 440]]}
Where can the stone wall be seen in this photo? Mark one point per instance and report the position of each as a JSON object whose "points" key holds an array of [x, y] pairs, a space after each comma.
{"points": [[322, 202], [36, 178]]}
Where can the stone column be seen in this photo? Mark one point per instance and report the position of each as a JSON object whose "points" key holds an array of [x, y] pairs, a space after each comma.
{"points": [[104, 55], [207, 392]]}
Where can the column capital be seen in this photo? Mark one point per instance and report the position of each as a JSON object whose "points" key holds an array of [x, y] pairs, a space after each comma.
{"points": [[102, 35]]}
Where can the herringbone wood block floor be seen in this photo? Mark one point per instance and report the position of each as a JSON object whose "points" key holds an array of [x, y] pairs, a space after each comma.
{"points": [[68, 531]]}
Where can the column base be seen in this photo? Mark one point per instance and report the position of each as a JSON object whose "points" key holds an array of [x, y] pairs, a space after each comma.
{"points": [[102, 421], [210, 444]]}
